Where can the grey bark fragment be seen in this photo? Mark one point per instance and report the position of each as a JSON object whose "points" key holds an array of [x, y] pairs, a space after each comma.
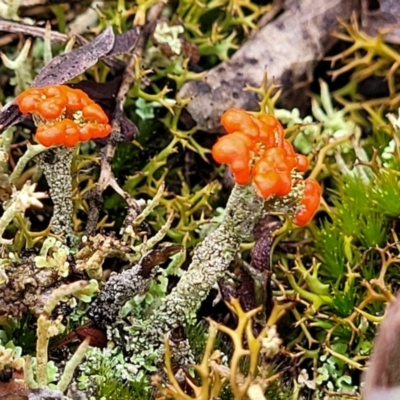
{"points": [[383, 17], [117, 291], [56, 165], [45, 394]]}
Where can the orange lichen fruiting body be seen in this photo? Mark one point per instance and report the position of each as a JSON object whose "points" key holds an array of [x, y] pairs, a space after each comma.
{"points": [[102, 131], [237, 120], [302, 162], [51, 108], [71, 133], [277, 157], [94, 131], [94, 112], [267, 183], [255, 149], [275, 128], [58, 107], [50, 135], [76, 99], [233, 147], [29, 100], [309, 202], [241, 175]]}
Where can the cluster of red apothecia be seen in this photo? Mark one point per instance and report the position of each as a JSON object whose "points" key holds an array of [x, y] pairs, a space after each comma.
{"points": [[255, 149], [65, 115]]}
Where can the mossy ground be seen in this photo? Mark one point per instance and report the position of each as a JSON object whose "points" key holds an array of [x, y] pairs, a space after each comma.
{"points": [[333, 278]]}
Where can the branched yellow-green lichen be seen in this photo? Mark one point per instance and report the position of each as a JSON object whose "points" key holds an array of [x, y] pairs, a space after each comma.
{"points": [[20, 65], [53, 255], [8, 359], [213, 373], [56, 165], [92, 256]]}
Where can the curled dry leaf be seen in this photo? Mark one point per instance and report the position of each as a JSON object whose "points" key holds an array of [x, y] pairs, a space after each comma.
{"points": [[67, 66], [254, 289], [158, 256], [382, 379], [105, 94], [10, 115], [97, 337], [125, 42]]}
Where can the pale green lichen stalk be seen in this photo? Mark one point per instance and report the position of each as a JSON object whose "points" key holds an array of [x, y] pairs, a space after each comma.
{"points": [[144, 338], [210, 262], [31, 152], [23, 78], [212, 258], [56, 166], [46, 328]]}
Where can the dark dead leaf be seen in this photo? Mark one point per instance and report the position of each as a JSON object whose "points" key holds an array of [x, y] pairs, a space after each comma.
{"points": [[102, 93], [10, 115], [254, 287], [105, 94], [98, 337], [228, 289], [246, 291], [125, 42], [68, 66], [158, 255], [264, 235]]}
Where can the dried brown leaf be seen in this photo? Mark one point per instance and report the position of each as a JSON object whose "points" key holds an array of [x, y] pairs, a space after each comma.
{"points": [[67, 66], [382, 379], [288, 49]]}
